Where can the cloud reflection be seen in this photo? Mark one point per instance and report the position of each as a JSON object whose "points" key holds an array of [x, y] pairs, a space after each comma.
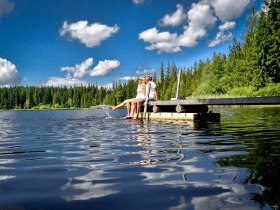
{"points": [[6, 177], [227, 200], [90, 189]]}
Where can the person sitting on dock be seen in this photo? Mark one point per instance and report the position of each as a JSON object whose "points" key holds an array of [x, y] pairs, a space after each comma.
{"points": [[130, 103], [151, 88]]}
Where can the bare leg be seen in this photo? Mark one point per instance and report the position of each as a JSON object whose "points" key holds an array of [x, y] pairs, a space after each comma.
{"points": [[138, 109], [128, 107], [121, 104], [132, 110]]}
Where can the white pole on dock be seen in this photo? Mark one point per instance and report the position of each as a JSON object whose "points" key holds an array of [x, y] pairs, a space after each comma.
{"points": [[178, 84], [147, 100]]}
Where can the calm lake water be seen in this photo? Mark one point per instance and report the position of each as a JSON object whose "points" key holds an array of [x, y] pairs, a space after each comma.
{"points": [[95, 159]]}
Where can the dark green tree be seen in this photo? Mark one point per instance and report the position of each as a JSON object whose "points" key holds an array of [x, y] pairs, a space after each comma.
{"points": [[267, 45]]}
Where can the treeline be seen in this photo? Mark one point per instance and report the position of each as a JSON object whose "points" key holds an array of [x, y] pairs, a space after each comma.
{"points": [[20, 97], [250, 69], [32, 97]]}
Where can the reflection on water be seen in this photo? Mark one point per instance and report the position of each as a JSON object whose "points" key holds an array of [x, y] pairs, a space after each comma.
{"points": [[95, 159]]}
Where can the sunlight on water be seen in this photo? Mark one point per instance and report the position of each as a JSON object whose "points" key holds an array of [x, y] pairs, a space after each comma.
{"points": [[83, 159]]}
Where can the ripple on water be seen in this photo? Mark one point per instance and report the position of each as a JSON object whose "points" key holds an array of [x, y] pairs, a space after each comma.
{"points": [[96, 159]]}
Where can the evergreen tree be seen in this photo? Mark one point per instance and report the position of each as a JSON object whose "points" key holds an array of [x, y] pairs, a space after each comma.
{"points": [[261, 52], [248, 49], [170, 81], [267, 47], [273, 40]]}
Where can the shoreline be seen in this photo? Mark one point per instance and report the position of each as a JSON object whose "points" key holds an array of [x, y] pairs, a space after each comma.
{"points": [[100, 106], [54, 109]]}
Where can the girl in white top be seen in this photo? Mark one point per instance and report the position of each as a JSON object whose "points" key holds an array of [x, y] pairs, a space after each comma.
{"points": [[130, 103], [153, 95], [141, 90]]}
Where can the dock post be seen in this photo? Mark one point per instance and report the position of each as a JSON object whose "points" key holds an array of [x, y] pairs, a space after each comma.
{"points": [[178, 84], [147, 100]]}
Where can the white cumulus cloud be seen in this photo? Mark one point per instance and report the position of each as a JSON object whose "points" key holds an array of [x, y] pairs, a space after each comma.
{"points": [[80, 70], [229, 9], [74, 74], [146, 71], [161, 41], [62, 81], [90, 35], [200, 17], [126, 78], [227, 25], [138, 1], [6, 7], [104, 68], [174, 19], [8, 73], [221, 36]]}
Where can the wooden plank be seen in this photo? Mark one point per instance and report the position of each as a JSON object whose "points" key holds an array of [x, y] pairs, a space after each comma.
{"points": [[212, 117], [172, 116], [265, 100]]}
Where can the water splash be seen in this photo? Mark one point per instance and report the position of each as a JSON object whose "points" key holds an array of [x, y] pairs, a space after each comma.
{"points": [[106, 110]]}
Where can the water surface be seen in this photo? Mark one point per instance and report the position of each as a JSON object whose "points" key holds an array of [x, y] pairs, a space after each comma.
{"points": [[95, 159]]}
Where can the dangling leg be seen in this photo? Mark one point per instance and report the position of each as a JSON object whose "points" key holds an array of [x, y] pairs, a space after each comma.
{"points": [[128, 107], [121, 104], [132, 110], [138, 109]]}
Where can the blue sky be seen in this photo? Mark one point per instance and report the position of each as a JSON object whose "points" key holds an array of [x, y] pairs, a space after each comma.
{"points": [[68, 42]]}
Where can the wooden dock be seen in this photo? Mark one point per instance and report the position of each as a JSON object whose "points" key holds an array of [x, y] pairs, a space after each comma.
{"points": [[197, 109]]}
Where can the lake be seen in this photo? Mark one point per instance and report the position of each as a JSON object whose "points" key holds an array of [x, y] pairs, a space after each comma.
{"points": [[96, 159]]}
